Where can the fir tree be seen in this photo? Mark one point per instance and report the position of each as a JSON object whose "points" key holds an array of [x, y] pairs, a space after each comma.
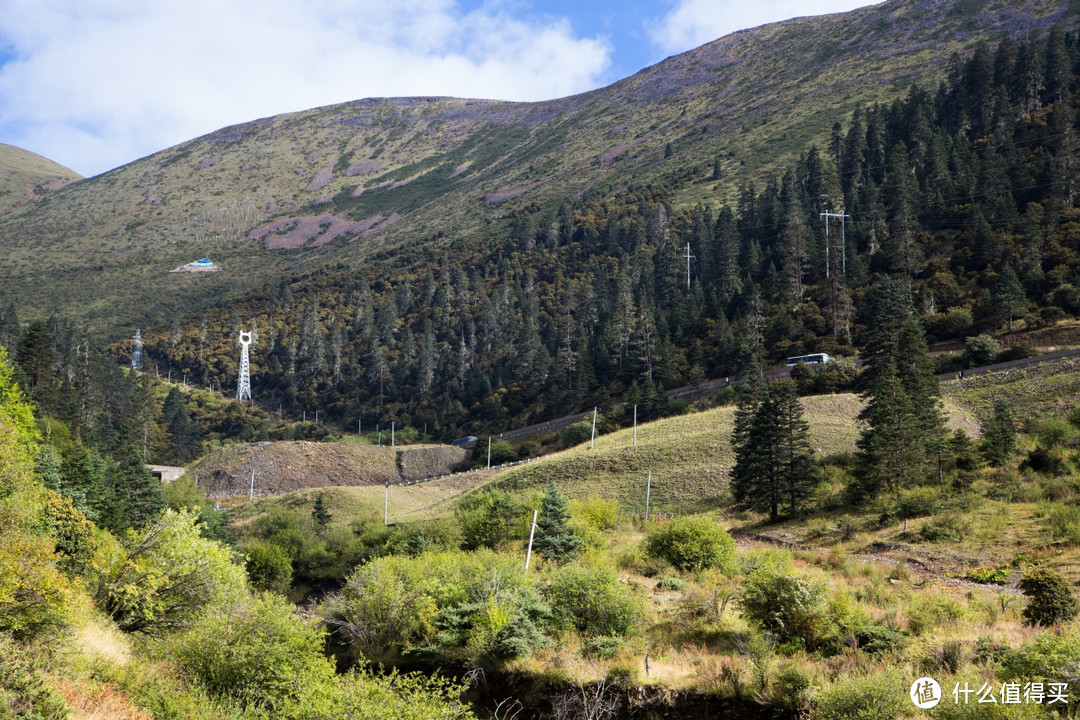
{"points": [[321, 514], [554, 539], [998, 435], [773, 460], [890, 444]]}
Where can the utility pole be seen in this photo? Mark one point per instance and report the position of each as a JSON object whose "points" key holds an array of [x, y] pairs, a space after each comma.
{"points": [[392, 444], [532, 532], [592, 442], [689, 256], [251, 491], [635, 426], [386, 505], [489, 452], [648, 493]]}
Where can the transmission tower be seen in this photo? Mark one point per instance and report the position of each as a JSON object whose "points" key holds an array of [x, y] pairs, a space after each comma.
{"points": [[136, 355], [243, 387]]}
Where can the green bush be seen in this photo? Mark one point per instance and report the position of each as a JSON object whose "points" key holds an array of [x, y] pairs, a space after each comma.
{"points": [[877, 696], [257, 653], [1050, 599], [693, 542], [268, 566], [479, 601], [23, 692], [367, 695], [72, 532], [786, 605], [577, 433], [1064, 522], [163, 577], [1048, 656], [593, 601]]}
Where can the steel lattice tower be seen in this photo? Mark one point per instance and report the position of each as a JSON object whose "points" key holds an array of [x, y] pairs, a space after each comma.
{"points": [[136, 356], [243, 387]]}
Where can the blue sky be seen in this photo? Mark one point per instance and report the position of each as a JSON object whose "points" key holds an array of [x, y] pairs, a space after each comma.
{"points": [[95, 84]]}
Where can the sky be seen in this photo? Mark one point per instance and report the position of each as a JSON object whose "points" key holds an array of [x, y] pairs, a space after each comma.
{"points": [[95, 84]]}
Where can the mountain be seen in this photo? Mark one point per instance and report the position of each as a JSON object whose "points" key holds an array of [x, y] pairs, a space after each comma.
{"points": [[26, 176], [347, 185]]}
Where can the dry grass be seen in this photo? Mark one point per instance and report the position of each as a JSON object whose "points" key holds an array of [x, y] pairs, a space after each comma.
{"points": [[87, 701]]}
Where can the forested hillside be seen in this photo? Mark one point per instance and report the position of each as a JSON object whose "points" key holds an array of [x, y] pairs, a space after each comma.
{"points": [[966, 191]]}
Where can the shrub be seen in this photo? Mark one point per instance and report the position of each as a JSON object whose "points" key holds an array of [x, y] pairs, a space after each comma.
{"points": [[23, 692], [783, 604], [72, 533], [593, 601], [268, 566], [981, 350], [1050, 599], [478, 601], [162, 577], [577, 433], [256, 652], [693, 542], [997, 575], [944, 528], [1064, 522], [1048, 656], [878, 696], [368, 695]]}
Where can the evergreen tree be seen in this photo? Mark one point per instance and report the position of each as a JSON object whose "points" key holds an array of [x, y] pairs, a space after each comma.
{"points": [[138, 494], [890, 445], [773, 459], [554, 539], [321, 514], [182, 433], [1009, 296], [998, 435]]}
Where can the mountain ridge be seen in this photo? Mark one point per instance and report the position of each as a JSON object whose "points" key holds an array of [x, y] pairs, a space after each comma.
{"points": [[345, 183]]}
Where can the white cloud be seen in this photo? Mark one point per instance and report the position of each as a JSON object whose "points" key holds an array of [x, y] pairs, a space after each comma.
{"points": [[93, 84], [691, 23]]}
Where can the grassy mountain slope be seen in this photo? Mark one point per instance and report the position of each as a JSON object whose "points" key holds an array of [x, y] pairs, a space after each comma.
{"points": [[689, 455], [25, 177], [349, 183]]}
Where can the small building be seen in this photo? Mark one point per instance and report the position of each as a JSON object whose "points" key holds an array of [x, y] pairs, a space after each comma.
{"points": [[204, 265], [166, 473]]}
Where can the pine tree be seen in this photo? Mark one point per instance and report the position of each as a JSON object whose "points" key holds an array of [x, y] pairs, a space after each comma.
{"points": [[554, 539]]}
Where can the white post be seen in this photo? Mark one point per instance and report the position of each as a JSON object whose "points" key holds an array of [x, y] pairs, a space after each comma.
{"points": [[489, 452], [648, 492], [532, 532], [359, 426], [391, 434], [592, 442], [386, 506], [635, 426], [316, 417], [251, 492]]}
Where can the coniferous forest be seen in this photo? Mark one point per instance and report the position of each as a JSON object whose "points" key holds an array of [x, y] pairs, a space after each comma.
{"points": [[965, 191]]}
